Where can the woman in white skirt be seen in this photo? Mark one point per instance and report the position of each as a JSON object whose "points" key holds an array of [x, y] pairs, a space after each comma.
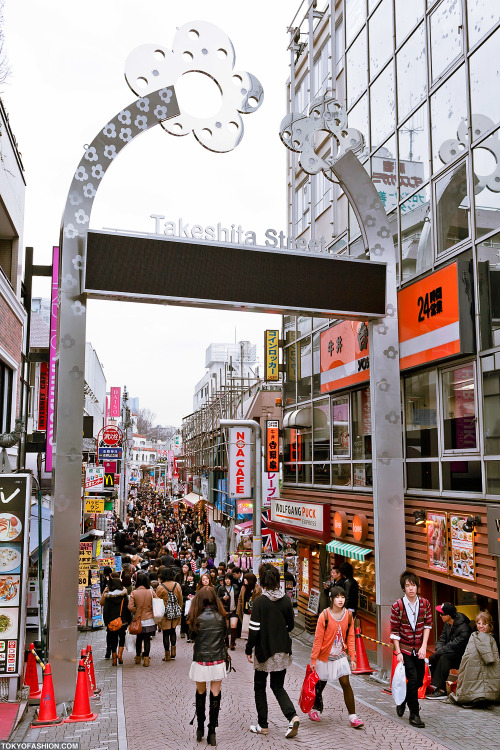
{"points": [[333, 640], [207, 627]]}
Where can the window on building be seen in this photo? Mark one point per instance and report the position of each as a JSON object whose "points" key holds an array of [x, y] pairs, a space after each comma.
{"points": [[452, 208], [6, 385], [303, 207], [321, 71], [488, 256], [339, 46], [487, 201], [446, 36], [407, 16], [481, 16], [6, 259], [380, 37], [323, 193]]}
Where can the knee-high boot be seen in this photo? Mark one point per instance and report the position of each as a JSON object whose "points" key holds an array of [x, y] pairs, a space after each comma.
{"points": [[233, 638], [213, 718], [200, 714]]}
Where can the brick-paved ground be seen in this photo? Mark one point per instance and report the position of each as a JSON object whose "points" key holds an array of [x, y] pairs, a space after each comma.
{"points": [[159, 703]]}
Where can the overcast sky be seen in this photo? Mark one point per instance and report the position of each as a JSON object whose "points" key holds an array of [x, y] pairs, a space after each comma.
{"points": [[67, 61]]}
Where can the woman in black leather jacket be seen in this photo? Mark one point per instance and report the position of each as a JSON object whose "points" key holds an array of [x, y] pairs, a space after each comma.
{"points": [[207, 626]]}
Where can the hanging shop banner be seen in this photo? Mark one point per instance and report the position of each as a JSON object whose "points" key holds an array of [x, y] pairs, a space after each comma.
{"points": [[270, 487], [272, 445], [15, 493], [462, 550], [437, 542], [271, 358], [292, 361], [240, 462], [43, 395], [94, 505], [94, 478], [435, 319], [54, 312], [306, 520], [244, 507], [115, 402], [344, 356]]}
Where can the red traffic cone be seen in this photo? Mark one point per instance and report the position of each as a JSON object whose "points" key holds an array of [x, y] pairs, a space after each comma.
{"points": [[91, 672], [47, 714], [31, 676], [81, 704], [362, 663]]}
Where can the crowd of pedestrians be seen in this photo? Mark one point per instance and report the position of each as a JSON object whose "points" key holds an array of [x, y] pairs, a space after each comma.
{"points": [[171, 577]]}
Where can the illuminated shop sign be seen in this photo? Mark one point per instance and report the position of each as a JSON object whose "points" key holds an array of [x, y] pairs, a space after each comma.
{"points": [[271, 358], [344, 352]]}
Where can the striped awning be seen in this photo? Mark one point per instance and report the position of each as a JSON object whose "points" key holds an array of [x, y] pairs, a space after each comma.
{"points": [[348, 550]]}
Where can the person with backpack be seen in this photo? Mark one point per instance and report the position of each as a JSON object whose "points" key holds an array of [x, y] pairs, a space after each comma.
{"points": [[334, 639], [171, 593], [411, 623]]}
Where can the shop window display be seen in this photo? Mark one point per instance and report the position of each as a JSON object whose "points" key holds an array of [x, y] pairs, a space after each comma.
{"points": [[459, 409], [489, 292]]}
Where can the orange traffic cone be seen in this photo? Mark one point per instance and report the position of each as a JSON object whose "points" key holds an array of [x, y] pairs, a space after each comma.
{"points": [[91, 672], [81, 704], [362, 663], [47, 714], [31, 677]]}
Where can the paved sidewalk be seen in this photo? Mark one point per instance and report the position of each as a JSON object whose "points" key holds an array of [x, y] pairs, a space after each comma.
{"points": [[159, 704]]}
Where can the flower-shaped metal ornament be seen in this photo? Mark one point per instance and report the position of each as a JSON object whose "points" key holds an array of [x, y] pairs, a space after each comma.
{"points": [[326, 114], [198, 47]]}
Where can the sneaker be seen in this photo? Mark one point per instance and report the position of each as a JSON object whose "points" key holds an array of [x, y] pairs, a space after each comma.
{"points": [[293, 728], [314, 716], [257, 729], [437, 695], [357, 724]]}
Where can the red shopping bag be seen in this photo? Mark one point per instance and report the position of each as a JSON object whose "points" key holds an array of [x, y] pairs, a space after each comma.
{"points": [[308, 692], [427, 681]]}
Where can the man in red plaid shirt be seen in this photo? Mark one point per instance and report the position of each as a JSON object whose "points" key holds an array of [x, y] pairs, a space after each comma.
{"points": [[411, 623]]}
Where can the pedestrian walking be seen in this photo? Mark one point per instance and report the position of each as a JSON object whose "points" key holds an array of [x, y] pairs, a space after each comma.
{"points": [[249, 592], [188, 593], [207, 626], [227, 595], [171, 593], [114, 601], [411, 623], [270, 625], [141, 604], [333, 640]]}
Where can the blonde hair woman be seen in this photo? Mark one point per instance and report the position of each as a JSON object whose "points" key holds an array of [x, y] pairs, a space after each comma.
{"points": [[479, 675]]}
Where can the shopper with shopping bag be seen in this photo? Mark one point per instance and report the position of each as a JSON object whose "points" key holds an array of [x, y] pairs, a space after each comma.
{"points": [[249, 592]]}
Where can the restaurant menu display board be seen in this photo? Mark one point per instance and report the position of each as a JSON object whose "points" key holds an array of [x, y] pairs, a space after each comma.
{"points": [[437, 542], [462, 550], [15, 492]]}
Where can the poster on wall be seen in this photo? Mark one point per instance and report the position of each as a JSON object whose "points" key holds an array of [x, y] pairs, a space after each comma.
{"points": [[304, 575], [462, 549], [437, 542]]}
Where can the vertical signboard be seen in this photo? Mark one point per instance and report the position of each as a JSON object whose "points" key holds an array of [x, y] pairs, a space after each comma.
{"points": [[43, 394], [270, 487], [114, 402], [272, 445], [271, 359], [94, 478], [15, 492], [54, 308], [240, 457]]}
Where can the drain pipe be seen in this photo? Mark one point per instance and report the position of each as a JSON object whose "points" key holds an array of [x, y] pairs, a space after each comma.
{"points": [[257, 495]]}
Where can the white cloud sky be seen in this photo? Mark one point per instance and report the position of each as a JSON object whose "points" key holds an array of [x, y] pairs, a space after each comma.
{"points": [[67, 80]]}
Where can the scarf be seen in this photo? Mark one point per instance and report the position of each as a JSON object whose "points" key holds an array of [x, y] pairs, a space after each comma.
{"points": [[274, 594]]}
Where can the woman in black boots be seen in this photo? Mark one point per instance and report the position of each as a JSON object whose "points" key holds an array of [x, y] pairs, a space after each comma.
{"points": [[207, 626]]}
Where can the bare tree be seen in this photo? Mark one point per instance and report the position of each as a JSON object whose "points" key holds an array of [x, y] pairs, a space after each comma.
{"points": [[145, 420], [4, 62]]}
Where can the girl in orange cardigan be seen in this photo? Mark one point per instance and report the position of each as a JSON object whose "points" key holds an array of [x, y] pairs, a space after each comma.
{"points": [[334, 637]]}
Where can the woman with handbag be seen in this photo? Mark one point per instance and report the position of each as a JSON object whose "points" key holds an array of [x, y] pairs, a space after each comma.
{"points": [[207, 626], [227, 595], [333, 640], [249, 592], [116, 617], [143, 624], [171, 593]]}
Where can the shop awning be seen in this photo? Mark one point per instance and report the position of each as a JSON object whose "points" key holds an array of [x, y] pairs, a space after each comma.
{"points": [[243, 528], [192, 499], [348, 550]]}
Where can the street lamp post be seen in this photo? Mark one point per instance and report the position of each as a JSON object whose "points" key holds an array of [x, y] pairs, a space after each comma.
{"points": [[257, 498]]}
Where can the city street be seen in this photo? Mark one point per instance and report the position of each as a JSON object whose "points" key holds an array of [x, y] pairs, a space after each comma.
{"points": [[151, 708]]}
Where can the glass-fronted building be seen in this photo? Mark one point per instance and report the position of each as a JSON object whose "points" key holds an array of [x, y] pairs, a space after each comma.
{"points": [[420, 81]]}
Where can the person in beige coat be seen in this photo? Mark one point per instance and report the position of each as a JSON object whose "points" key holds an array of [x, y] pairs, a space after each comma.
{"points": [[141, 604], [168, 624], [479, 675]]}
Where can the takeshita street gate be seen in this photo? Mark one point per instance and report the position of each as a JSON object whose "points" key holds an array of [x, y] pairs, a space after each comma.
{"points": [[302, 284]]}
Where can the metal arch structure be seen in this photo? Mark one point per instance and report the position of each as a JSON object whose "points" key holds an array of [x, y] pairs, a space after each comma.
{"points": [[297, 132], [198, 47]]}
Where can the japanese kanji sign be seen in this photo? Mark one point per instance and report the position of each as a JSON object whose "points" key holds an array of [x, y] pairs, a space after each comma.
{"points": [[272, 445], [271, 349]]}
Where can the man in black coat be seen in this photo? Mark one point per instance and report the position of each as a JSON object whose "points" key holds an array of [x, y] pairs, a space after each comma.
{"points": [[449, 648]]}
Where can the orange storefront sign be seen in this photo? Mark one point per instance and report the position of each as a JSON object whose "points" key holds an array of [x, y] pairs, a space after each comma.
{"points": [[344, 356], [429, 318], [272, 445], [340, 523]]}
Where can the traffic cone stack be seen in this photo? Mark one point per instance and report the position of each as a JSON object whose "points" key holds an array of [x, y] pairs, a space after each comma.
{"points": [[81, 704], [93, 683], [31, 677], [47, 715], [362, 663]]}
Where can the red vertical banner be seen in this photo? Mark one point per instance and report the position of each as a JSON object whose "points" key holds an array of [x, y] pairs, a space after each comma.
{"points": [[43, 396], [295, 446], [115, 402], [272, 445]]}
